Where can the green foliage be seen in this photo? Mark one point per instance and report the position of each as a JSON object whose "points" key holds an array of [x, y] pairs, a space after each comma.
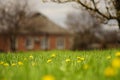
{"points": [[62, 65]]}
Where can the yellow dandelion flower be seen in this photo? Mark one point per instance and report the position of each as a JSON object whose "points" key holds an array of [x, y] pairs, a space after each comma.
{"points": [[78, 61], [82, 59], [108, 57], [49, 60], [20, 63], [6, 64], [109, 72], [31, 57], [117, 54], [116, 63], [48, 77], [78, 57], [67, 60], [53, 55], [1, 62], [86, 66], [13, 64]]}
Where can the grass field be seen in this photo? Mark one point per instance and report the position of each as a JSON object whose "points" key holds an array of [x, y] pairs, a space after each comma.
{"points": [[61, 65]]}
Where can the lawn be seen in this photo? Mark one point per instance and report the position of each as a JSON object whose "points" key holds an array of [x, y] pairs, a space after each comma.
{"points": [[61, 65]]}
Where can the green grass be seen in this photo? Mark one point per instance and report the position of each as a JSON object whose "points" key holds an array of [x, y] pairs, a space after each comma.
{"points": [[37, 67]]}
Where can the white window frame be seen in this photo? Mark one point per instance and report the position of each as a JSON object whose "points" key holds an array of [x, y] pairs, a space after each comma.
{"points": [[31, 44], [58, 44], [43, 45]]}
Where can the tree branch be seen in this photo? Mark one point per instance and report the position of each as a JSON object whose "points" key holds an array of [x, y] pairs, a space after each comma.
{"points": [[95, 9]]}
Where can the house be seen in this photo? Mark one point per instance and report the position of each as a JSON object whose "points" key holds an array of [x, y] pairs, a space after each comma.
{"points": [[37, 33]]}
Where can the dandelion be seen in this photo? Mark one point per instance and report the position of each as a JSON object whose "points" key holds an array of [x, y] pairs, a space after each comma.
{"points": [[31, 57], [48, 77], [78, 61], [53, 55], [108, 57], [85, 66], [82, 59], [67, 60], [13, 64], [109, 72], [20, 63], [6, 64], [1, 62], [117, 54], [49, 60], [116, 63], [78, 57]]}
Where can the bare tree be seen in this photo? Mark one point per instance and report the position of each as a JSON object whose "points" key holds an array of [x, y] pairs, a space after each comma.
{"points": [[84, 26], [11, 15], [89, 33], [106, 9]]}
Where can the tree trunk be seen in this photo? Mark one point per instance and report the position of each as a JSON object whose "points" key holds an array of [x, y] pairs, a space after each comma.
{"points": [[117, 6], [13, 43], [118, 23]]}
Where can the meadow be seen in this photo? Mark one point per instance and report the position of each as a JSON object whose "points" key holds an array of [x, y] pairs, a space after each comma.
{"points": [[61, 65]]}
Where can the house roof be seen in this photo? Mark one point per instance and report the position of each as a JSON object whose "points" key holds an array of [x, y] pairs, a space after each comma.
{"points": [[38, 23]]}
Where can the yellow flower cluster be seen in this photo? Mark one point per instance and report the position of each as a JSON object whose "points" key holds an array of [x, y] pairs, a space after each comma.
{"points": [[13, 64], [68, 60], [1, 62], [117, 54], [49, 60], [48, 77], [31, 57], [79, 59], [53, 55], [20, 63], [109, 71], [5, 64], [115, 65]]}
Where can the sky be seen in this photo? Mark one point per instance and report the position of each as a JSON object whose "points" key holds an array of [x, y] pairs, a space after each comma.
{"points": [[54, 11], [58, 12]]}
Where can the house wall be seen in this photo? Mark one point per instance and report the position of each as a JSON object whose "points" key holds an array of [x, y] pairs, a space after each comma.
{"points": [[51, 39], [52, 42], [4, 43], [21, 40]]}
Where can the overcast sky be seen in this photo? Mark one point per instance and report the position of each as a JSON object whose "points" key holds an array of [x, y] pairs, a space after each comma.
{"points": [[54, 11], [58, 12]]}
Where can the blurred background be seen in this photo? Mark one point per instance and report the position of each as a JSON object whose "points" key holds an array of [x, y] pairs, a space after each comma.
{"points": [[91, 24]]}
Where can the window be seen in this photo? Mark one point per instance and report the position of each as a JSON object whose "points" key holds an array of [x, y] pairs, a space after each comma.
{"points": [[44, 43], [60, 43], [29, 43]]}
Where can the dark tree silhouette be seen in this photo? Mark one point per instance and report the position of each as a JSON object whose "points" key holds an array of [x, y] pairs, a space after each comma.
{"points": [[111, 8], [11, 15]]}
